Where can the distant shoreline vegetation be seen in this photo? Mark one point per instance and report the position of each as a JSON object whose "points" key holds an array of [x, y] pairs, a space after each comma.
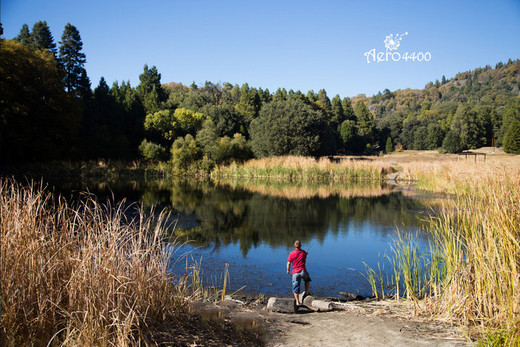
{"points": [[51, 113]]}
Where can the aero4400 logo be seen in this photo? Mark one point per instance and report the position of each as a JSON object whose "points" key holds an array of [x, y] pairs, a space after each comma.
{"points": [[392, 43]]}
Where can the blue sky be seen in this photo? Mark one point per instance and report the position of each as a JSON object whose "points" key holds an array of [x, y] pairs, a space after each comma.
{"points": [[306, 45]]}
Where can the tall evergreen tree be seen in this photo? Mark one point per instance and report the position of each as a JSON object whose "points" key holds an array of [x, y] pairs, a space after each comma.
{"points": [[42, 37], [71, 58], [324, 102], [348, 110], [365, 121], [338, 116], [25, 37], [512, 138], [150, 90]]}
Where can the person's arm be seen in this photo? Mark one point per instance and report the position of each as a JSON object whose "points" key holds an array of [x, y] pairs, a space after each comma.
{"points": [[288, 267]]}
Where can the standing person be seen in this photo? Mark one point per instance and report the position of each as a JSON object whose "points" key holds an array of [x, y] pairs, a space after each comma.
{"points": [[298, 258]]}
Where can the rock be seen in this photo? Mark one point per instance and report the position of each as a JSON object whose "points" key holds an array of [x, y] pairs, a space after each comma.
{"points": [[283, 305], [317, 305]]}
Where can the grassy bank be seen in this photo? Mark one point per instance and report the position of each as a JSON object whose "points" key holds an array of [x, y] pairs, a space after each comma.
{"points": [[472, 274], [90, 275], [307, 169]]}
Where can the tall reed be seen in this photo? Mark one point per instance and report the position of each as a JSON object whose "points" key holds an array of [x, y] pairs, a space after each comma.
{"points": [[293, 168], [80, 275], [472, 272], [480, 248]]}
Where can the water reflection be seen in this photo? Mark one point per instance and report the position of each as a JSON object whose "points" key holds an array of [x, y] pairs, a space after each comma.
{"points": [[252, 225], [241, 214]]}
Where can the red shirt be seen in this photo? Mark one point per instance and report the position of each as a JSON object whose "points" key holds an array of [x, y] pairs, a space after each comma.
{"points": [[297, 258]]}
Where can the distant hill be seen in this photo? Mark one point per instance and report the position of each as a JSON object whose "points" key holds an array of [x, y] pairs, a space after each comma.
{"points": [[491, 96]]}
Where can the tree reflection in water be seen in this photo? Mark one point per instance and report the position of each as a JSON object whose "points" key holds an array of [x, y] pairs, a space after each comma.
{"points": [[275, 213]]}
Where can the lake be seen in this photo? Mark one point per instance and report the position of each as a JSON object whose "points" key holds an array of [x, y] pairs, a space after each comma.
{"points": [[251, 226]]}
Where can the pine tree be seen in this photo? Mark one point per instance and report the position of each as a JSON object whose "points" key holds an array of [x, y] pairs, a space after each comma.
{"points": [[348, 110], [512, 138], [150, 90], [389, 147], [324, 102], [25, 37], [364, 120], [42, 37], [71, 58], [338, 116]]}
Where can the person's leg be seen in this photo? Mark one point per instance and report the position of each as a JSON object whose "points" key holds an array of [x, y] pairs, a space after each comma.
{"points": [[307, 285], [296, 278], [307, 280], [297, 298]]}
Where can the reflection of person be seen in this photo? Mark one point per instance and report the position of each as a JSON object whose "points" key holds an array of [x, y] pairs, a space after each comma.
{"points": [[298, 258]]}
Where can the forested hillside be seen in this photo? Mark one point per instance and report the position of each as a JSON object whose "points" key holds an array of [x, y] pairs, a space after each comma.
{"points": [[48, 111], [469, 109]]}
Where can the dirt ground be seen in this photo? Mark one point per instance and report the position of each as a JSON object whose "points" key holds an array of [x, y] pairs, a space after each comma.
{"points": [[364, 323], [376, 324]]}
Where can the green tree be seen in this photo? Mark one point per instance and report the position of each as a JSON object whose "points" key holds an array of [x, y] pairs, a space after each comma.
{"points": [[249, 104], [465, 125], [512, 138], [338, 116], [152, 151], [389, 148], [451, 143], [420, 138], [365, 121], [173, 124], [185, 152], [324, 102], [42, 37], [348, 110], [38, 121], [348, 134], [72, 58], [227, 120], [435, 136], [25, 37], [150, 91], [510, 114], [287, 128]]}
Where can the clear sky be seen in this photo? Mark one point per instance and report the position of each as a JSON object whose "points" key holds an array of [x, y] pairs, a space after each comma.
{"points": [[306, 45]]}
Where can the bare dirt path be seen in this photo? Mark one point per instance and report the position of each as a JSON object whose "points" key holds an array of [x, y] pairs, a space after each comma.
{"points": [[373, 323], [340, 328]]}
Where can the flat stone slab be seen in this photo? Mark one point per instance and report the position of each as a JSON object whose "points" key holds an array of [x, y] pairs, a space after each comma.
{"points": [[283, 305]]}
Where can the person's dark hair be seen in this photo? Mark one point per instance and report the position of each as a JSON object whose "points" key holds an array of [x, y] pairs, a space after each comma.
{"points": [[297, 244]]}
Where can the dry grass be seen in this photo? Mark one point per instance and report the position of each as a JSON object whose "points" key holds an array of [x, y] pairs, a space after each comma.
{"points": [[476, 243], [293, 168], [480, 251], [450, 173], [84, 275]]}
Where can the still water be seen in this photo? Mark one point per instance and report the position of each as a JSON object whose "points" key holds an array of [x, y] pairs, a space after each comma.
{"points": [[251, 226]]}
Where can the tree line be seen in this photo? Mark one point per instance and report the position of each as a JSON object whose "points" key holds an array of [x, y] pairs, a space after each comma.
{"points": [[49, 111]]}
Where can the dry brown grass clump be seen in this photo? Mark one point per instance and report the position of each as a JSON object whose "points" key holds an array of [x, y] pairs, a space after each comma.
{"points": [[307, 169], [84, 275], [480, 249]]}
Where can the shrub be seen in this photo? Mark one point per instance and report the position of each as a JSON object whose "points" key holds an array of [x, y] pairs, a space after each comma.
{"points": [[185, 152], [152, 151]]}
